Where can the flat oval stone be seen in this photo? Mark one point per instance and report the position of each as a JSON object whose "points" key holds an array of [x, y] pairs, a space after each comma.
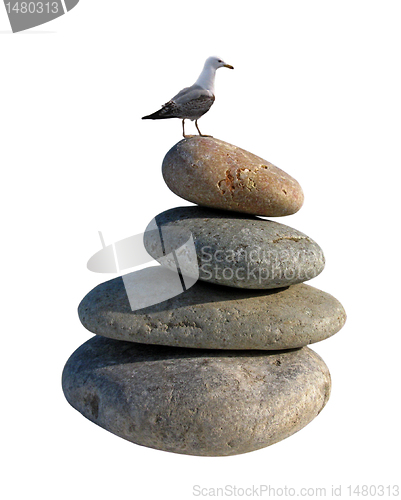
{"points": [[236, 250], [196, 402], [215, 317], [216, 174]]}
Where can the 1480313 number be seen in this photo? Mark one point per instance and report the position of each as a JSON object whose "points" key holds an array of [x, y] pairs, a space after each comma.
{"points": [[373, 490], [32, 7]]}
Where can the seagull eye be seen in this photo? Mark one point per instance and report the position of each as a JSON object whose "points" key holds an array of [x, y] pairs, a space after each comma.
{"points": [[220, 60]]}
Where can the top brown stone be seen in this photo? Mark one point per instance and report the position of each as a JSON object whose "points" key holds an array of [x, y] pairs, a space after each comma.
{"points": [[215, 174]]}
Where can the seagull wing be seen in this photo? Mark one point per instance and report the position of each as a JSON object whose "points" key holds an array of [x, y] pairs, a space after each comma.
{"points": [[191, 102], [190, 94]]}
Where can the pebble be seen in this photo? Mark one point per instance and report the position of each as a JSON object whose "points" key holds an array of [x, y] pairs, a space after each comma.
{"points": [[214, 317], [216, 174], [234, 249], [196, 402]]}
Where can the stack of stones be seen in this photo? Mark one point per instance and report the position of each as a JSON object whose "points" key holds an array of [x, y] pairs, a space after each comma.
{"points": [[221, 368]]}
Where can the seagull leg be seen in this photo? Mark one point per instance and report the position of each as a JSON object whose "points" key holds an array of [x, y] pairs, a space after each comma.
{"points": [[183, 128], [196, 125], [200, 133]]}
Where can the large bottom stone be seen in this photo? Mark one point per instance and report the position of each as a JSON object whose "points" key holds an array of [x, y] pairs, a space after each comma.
{"points": [[196, 402]]}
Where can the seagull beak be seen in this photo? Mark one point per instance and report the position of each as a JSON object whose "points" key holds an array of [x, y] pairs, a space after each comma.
{"points": [[228, 66]]}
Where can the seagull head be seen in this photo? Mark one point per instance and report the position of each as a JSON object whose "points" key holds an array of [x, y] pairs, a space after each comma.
{"points": [[216, 62]]}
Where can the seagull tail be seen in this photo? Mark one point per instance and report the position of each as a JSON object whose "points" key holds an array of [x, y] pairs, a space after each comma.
{"points": [[158, 115]]}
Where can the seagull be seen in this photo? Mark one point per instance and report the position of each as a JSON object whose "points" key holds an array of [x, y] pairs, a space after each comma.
{"points": [[192, 102]]}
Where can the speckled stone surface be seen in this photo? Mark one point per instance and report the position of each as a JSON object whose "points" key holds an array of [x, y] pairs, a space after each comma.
{"points": [[216, 174], [237, 250], [211, 403], [215, 317]]}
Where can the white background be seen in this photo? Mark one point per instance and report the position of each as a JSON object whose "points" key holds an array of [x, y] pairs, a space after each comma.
{"points": [[316, 91]]}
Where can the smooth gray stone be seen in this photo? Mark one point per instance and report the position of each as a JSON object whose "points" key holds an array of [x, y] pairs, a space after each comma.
{"points": [[236, 250], [215, 317], [211, 403]]}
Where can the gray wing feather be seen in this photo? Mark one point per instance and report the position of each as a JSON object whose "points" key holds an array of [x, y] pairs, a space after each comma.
{"points": [[189, 94], [191, 102]]}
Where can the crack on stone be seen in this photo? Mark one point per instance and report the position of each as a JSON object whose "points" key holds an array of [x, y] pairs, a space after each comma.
{"points": [[229, 182], [232, 182], [92, 403], [290, 238]]}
